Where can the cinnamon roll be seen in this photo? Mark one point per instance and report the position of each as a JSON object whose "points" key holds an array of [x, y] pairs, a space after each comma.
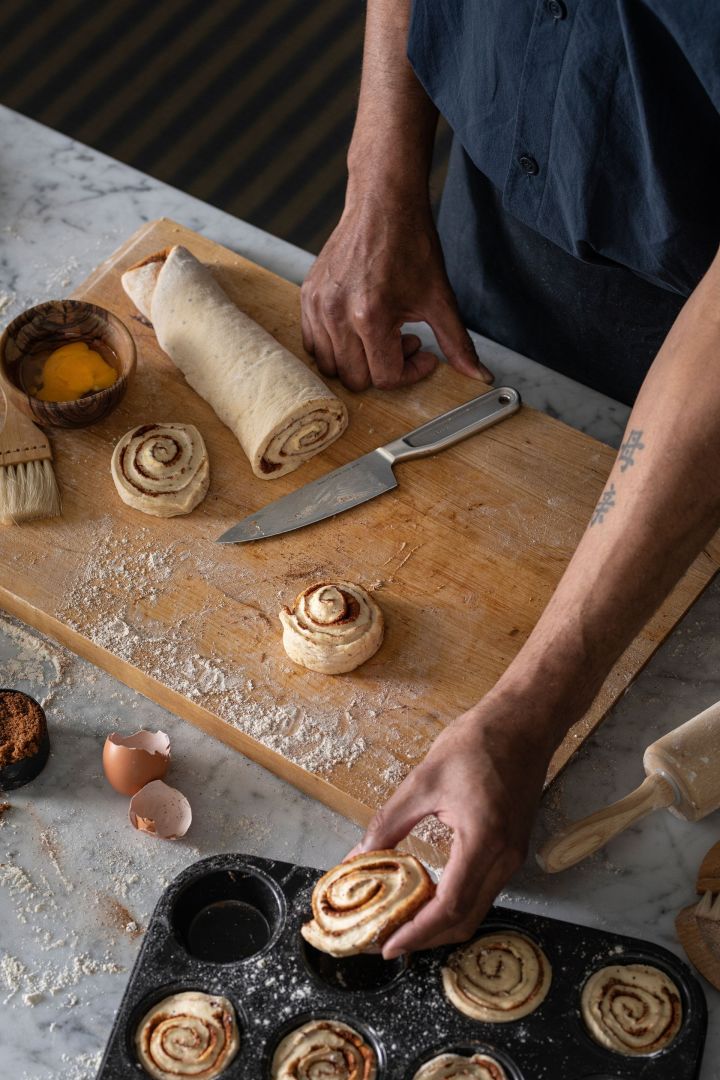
{"points": [[332, 627], [633, 1009], [359, 904], [280, 411], [189, 1034], [161, 469], [459, 1067], [324, 1048], [497, 978]]}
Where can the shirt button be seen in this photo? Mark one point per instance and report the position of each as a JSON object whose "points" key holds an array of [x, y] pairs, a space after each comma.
{"points": [[556, 8], [528, 165]]}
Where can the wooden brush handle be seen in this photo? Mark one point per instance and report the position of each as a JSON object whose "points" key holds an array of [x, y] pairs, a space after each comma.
{"points": [[20, 440], [585, 837]]}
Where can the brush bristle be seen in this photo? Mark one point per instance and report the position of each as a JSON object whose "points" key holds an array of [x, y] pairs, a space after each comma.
{"points": [[28, 491]]}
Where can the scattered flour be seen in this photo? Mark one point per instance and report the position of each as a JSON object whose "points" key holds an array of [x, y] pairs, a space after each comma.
{"points": [[31, 663], [117, 598]]}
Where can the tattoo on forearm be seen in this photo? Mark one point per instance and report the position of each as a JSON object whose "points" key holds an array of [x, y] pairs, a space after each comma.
{"points": [[629, 448], [606, 503]]}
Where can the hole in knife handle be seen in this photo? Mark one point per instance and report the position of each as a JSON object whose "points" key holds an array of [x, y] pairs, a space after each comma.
{"points": [[504, 399]]}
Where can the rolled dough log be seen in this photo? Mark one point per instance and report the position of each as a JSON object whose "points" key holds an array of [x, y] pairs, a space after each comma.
{"points": [[281, 412]]}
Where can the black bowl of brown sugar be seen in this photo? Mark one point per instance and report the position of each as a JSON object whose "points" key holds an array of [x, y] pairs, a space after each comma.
{"points": [[24, 740]]}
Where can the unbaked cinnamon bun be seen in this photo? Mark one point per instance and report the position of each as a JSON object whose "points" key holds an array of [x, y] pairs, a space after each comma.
{"points": [[360, 903], [188, 1035], [332, 627], [324, 1050], [499, 977], [161, 469], [634, 1009]]}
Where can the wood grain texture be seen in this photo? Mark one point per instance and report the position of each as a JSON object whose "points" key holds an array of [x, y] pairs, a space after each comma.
{"points": [[462, 557]]}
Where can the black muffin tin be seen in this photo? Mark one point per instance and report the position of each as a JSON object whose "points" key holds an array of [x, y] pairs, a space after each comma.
{"points": [[400, 1006]]}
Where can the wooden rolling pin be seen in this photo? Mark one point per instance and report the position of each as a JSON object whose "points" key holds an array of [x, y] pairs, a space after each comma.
{"points": [[683, 774]]}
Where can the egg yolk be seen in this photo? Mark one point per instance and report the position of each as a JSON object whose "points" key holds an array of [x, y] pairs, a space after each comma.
{"points": [[74, 370]]}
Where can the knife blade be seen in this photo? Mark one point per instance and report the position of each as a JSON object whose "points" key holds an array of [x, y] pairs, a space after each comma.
{"points": [[372, 475]]}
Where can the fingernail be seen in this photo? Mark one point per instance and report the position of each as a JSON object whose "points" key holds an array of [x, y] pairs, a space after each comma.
{"points": [[391, 954]]}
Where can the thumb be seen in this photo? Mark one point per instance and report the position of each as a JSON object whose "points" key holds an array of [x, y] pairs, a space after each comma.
{"points": [[396, 818], [456, 343]]}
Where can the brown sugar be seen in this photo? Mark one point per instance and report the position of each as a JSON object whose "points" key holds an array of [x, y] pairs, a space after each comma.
{"points": [[22, 727]]}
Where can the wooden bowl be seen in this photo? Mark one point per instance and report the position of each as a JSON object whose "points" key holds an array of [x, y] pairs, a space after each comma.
{"points": [[56, 323]]}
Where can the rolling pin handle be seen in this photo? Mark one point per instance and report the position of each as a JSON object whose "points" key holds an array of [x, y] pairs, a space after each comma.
{"points": [[590, 834]]}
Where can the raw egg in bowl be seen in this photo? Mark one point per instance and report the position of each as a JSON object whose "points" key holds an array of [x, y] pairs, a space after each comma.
{"points": [[66, 363]]}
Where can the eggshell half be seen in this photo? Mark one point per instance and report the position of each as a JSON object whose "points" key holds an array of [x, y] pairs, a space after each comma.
{"points": [[132, 761], [160, 809]]}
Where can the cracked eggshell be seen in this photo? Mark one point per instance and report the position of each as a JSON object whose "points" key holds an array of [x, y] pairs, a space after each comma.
{"points": [[132, 761], [160, 809]]}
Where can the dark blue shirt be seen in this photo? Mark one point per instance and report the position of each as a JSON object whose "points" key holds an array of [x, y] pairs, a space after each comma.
{"points": [[597, 120]]}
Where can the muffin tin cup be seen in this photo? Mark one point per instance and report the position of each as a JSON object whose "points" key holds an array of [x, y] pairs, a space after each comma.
{"points": [[466, 1049], [278, 984]]}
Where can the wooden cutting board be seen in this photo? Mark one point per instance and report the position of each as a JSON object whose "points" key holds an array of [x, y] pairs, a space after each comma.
{"points": [[462, 556]]}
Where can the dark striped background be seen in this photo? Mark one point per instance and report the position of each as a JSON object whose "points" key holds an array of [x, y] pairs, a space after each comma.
{"points": [[244, 103]]}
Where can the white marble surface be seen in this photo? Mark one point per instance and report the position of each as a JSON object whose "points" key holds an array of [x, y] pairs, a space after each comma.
{"points": [[75, 880]]}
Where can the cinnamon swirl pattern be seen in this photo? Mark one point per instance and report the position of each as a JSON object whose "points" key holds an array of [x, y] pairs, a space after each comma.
{"points": [[188, 1034], [281, 412], [324, 1050], [359, 904], [497, 978], [633, 1009], [301, 436], [458, 1067], [332, 627], [161, 469]]}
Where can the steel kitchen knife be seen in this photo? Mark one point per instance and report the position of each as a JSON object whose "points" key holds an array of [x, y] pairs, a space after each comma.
{"points": [[372, 474]]}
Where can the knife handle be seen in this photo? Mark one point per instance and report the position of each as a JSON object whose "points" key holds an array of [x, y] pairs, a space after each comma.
{"points": [[450, 428]]}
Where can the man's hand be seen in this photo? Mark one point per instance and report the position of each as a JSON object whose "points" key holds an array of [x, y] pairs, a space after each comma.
{"points": [[383, 265], [380, 268], [484, 778]]}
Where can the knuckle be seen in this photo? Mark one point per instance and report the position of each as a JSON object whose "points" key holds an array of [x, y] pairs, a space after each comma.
{"points": [[456, 912], [307, 289], [357, 383], [313, 298], [466, 928], [378, 823], [386, 381], [365, 313], [331, 304]]}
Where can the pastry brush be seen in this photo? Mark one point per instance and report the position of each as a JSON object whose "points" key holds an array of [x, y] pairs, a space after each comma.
{"points": [[28, 488]]}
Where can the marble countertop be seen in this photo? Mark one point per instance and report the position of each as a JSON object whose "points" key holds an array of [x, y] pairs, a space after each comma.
{"points": [[77, 884]]}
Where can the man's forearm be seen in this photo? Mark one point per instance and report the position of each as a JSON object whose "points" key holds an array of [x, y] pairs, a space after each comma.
{"points": [[660, 505], [391, 148]]}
